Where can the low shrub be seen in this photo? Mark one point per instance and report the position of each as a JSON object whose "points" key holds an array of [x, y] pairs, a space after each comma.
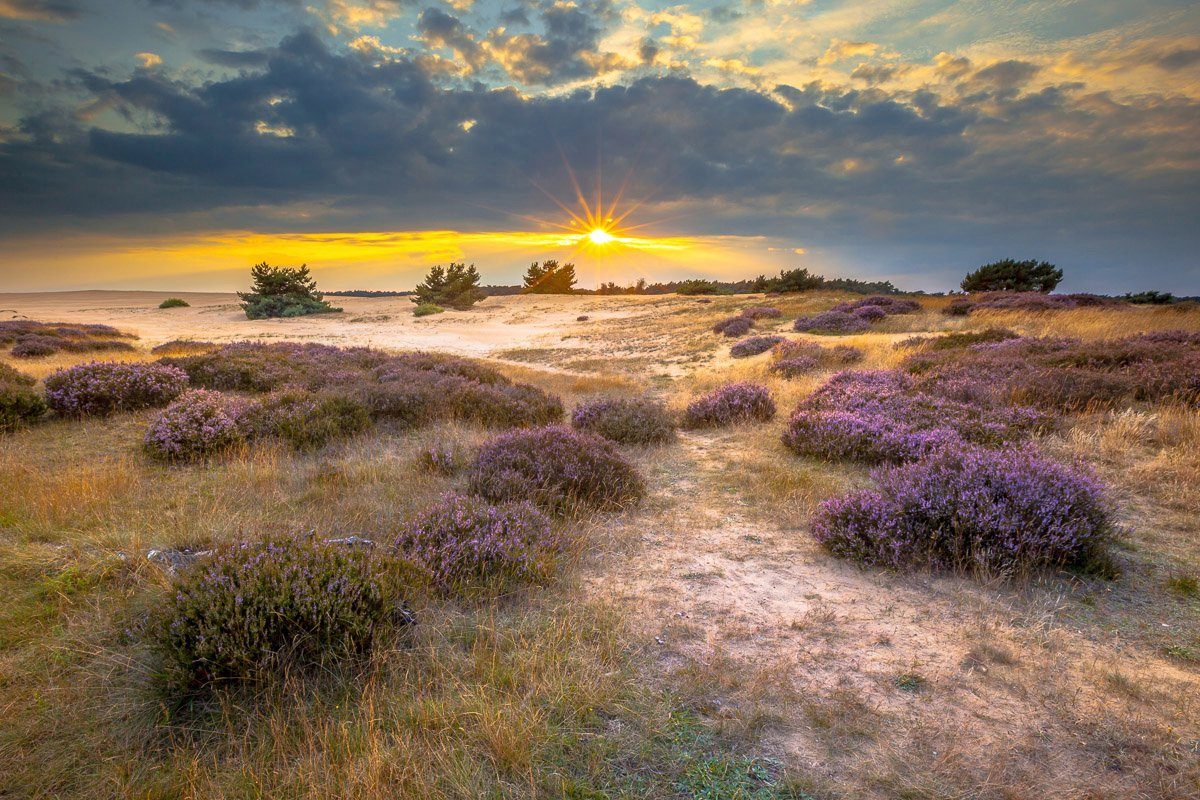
{"points": [[409, 404], [554, 467], [628, 421], [831, 323], [754, 346], [174, 302], [730, 404], [20, 402], [971, 509], [34, 345], [425, 309], [869, 313], [879, 303], [199, 423], [502, 405], [257, 608], [792, 358], [101, 388], [304, 420], [734, 326], [463, 540], [762, 312]]}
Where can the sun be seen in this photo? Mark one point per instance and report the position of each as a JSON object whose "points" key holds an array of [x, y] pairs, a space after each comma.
{"points": [[599, 236]]}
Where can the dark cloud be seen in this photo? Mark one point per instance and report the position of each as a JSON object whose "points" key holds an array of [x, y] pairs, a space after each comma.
{"points": [[1180, 59], [439, 29], [1007, 75], [648, 49], [237, 59]]}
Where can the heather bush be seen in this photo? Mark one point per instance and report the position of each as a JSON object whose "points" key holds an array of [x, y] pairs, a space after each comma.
{"points": [[409, 404], [304, 420], [754, 345], [869, 313], [971, 509], [730, 404], [554, 467], [463, 539], [628, 421], [734, 326], [878, 306], [831, 323], [762, 312], [31, 339], [20, 402], [257, 608], [174, 302], [1028, 301], [504, 405], [199, 423], [101, 388], [35, 345], [792, 357]]}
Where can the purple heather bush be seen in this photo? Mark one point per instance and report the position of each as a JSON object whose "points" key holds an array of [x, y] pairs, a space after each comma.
{"points": [[200, 423], [255, 608], [305, 420], [462, 540], [730, 404], [880, 302], [734, 326], [754, 345], [35, 345], [554, 467], [831, 323], [762, 312], [869, 313], [30, 339], [20, 402], [971, 509], [1028, 301], [640, 420], [792, 358], [101, 388]]}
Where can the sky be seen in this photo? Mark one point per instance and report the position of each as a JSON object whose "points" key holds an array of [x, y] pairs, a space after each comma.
{"points": [[171, 144]]}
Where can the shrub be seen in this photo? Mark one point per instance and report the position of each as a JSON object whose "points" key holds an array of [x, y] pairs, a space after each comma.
{"points": [[554, 467], [304, 420], [754, 346], [953, 341], [19, 400], [101, 388], [879, 303], [958, 307], [34, 345], [200, 423], [174, 302], [628, 421], [831, 323], [762, 312], [869, 313], [410, 404], [456, 287], [732, 403], [793, 358], [734, 326], [1013, 276], [425, 309], [282, 292], [255, 608], [697, 286], [464, 539], [970, 509], [1153, 298], [503, 405]]}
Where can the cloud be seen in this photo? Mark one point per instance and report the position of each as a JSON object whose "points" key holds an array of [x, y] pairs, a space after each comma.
{"points": [[39, 10], [840, 49], [236, 59], [148, 60]]}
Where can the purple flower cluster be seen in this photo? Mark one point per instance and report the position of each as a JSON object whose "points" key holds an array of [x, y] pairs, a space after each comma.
{"points": [[200, 423], [734, 326], [19, 400], [877, 304], [754, 345], [463, 539], [30, 339], [255, 606], [554, 467], [792, 358], [305, 420], [640, 420], [762, 312], [970, 509], [730, 404], [1028, 301], [831, 323], [101, 388]]}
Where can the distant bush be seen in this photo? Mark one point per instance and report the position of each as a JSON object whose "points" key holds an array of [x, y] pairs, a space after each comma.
{"points": [[20, 402], [174, 302], [258, 608], [554, 467], [37, 339], [1029, 302], [101, 388], [730, 404], [762, 312], [456, 287], [734, 326], [549, 277], [199, 423], [697, 286], [305, 420], [425, 309], [1013, 276], [1150, 298], [463, 539], [831, 323], [754, 346], [971, 510], [628, 421], [282, 292]]}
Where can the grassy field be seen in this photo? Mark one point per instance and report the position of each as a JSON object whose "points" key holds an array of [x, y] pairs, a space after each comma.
{"points": [[697, 645]]}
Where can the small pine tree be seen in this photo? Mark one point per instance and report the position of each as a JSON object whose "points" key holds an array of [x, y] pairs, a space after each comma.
{"points": [[794, 280], [282, 292], [549, 277], [456, 287], [1013, 276]]}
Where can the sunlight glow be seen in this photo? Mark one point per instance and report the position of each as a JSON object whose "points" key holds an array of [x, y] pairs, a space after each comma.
{"points": [[599, 236]]}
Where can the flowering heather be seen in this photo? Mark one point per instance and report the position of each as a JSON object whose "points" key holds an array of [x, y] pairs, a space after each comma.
{"points": [[831, 323], [762, 312], [200, 423], [260, 367], [886, 303], [730, 404], [502, 405], [464, 539], [639, 420], [869, 313], [101, 388], [19, 400], [792, 357], [554, 467], [30, 339], [34, 345], [255, 607], [754, 345], [1028, 301], [734, 326], [954, 341], [970, 509], [305, 420], [182, 347]]}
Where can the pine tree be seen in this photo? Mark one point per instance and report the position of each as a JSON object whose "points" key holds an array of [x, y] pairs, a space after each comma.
{"points": [[282, 292], [456, 287], [549, 277]]}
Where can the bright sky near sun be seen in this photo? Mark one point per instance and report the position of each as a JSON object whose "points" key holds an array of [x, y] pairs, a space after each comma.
{"points": [[166, 144]]}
